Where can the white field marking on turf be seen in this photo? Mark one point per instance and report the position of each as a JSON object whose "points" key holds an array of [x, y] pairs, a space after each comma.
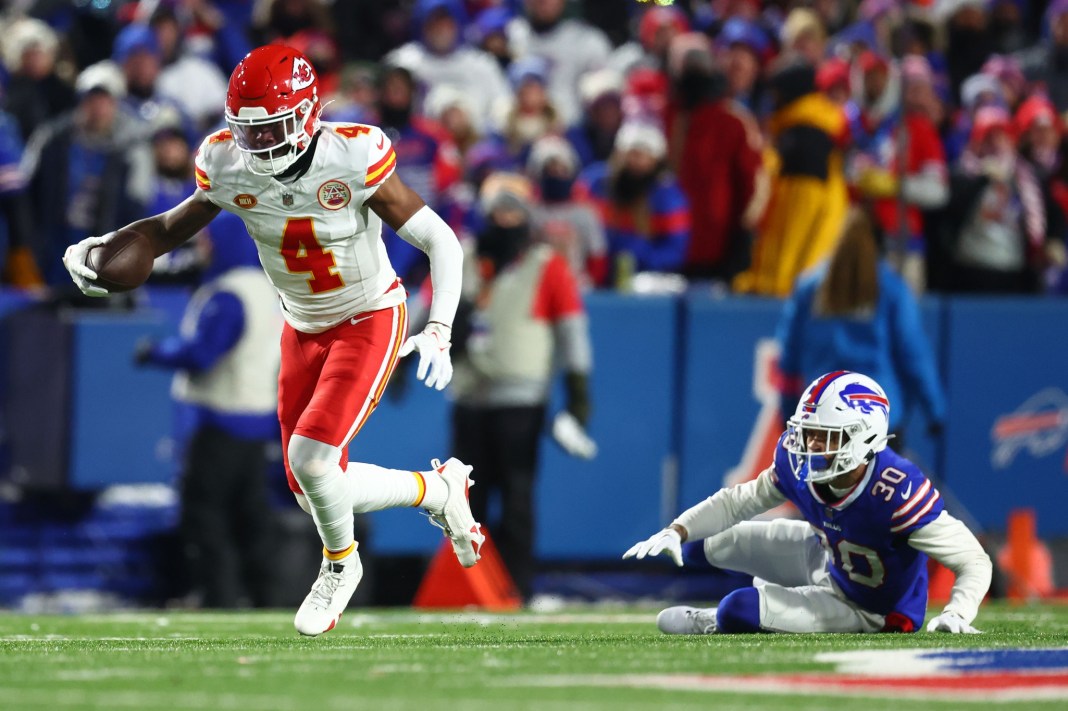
{"points": [[772, 685], [100, 674], [44, 639], [163, 700], [485, 619]]}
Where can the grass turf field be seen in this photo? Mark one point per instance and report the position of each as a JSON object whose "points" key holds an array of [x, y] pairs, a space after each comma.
{"points": [[585, 658]]}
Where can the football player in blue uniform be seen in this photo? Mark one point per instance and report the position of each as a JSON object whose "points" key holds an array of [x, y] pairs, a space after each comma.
{"points": [[858, 560]]}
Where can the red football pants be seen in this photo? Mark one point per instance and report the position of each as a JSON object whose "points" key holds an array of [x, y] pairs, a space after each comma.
{"points": [[331, 382]]}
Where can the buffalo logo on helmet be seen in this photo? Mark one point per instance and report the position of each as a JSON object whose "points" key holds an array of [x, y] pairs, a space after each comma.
{"points": [[334, 195], [863, 398], [303, 74]]}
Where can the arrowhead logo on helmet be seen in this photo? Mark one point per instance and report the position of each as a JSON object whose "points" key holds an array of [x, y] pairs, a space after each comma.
{"points": [[303, 74]]}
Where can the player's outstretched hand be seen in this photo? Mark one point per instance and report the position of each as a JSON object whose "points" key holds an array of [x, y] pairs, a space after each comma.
{"points": [[667, 541], [435, 365], [83, 276], [951, 622]]}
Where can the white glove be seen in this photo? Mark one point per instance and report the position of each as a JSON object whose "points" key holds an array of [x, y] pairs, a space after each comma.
{"points": [[83, 276], [951, 622], [433, 346], [667, 540], [571, 435]]}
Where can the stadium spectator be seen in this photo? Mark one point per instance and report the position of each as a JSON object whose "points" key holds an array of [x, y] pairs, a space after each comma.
{"points": [[832, 79], [427, 160], [172, 182], [489, 32], [102, 170], [357, 95], [743, 49], [454, 111], [532, 114], [570, 47], [979, 90], [968, 39], [522, 306], [1010, 76], [856, 313], [226, 360], [645, 213], [719, 164], [897, 164], [276, 20], [602, 101], [1046, 63], [34, 92], [570, 225], [1007, 26], [137, 52], [804, 35], [996, 212], [1039, 132], [808, 198], [441, 57], [17, 265], [658, 26], [220, 30], [182, 69]]}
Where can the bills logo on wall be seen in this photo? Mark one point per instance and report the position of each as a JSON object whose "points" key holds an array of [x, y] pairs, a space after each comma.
{"points": [[1039, 426]]}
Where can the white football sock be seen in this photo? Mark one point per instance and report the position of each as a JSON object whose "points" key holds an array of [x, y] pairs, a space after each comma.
{"points": [[316, 468], [374, 488]]}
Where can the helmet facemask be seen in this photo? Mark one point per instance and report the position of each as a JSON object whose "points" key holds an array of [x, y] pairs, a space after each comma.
{"points": [[271, 143], [836, 455]]}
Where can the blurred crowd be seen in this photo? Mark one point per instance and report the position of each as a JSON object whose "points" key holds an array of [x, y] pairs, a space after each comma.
{"points": [[665, 143]]}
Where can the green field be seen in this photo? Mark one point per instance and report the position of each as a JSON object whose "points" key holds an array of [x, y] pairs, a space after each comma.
{"points": [[583, 658]]}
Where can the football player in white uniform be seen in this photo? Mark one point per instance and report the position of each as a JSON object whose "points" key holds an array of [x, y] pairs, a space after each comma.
{"points": [[313, 196]]}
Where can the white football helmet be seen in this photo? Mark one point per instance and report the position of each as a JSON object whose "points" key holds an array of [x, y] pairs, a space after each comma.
{"points": [[850, 414]]}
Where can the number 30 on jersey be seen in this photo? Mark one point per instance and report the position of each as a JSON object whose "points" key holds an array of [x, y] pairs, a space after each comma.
{"points": [[303, 254]]}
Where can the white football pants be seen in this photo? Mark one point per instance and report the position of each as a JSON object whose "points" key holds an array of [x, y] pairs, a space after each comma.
{"points": [[789, 567]]}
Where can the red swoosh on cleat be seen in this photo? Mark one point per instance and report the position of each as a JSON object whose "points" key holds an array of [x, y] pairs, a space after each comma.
{"points": [[332, 624]]}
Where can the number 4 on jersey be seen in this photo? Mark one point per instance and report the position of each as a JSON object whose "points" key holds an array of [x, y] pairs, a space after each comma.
{"points": [[303, 253]]}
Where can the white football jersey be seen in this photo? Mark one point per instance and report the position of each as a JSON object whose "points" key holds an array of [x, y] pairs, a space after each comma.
{"points": [[320, 246]]}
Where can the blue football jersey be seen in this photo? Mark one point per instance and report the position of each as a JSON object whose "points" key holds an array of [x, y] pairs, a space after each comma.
{"points": [[867, 530]]}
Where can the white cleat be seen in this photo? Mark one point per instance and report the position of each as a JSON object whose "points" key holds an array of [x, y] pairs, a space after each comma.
{"points": [[687, 620], [330, 594], [456, 519]]}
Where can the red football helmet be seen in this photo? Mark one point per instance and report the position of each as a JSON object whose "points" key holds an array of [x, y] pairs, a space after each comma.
{"points": [[273, 108]]}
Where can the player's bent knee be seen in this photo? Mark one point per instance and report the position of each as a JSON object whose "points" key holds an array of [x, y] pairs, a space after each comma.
{"points": [[739, 612], [310, 459]]}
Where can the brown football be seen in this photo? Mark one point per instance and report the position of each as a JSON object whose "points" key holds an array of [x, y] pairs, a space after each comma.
{"points": [[123, 262]]}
